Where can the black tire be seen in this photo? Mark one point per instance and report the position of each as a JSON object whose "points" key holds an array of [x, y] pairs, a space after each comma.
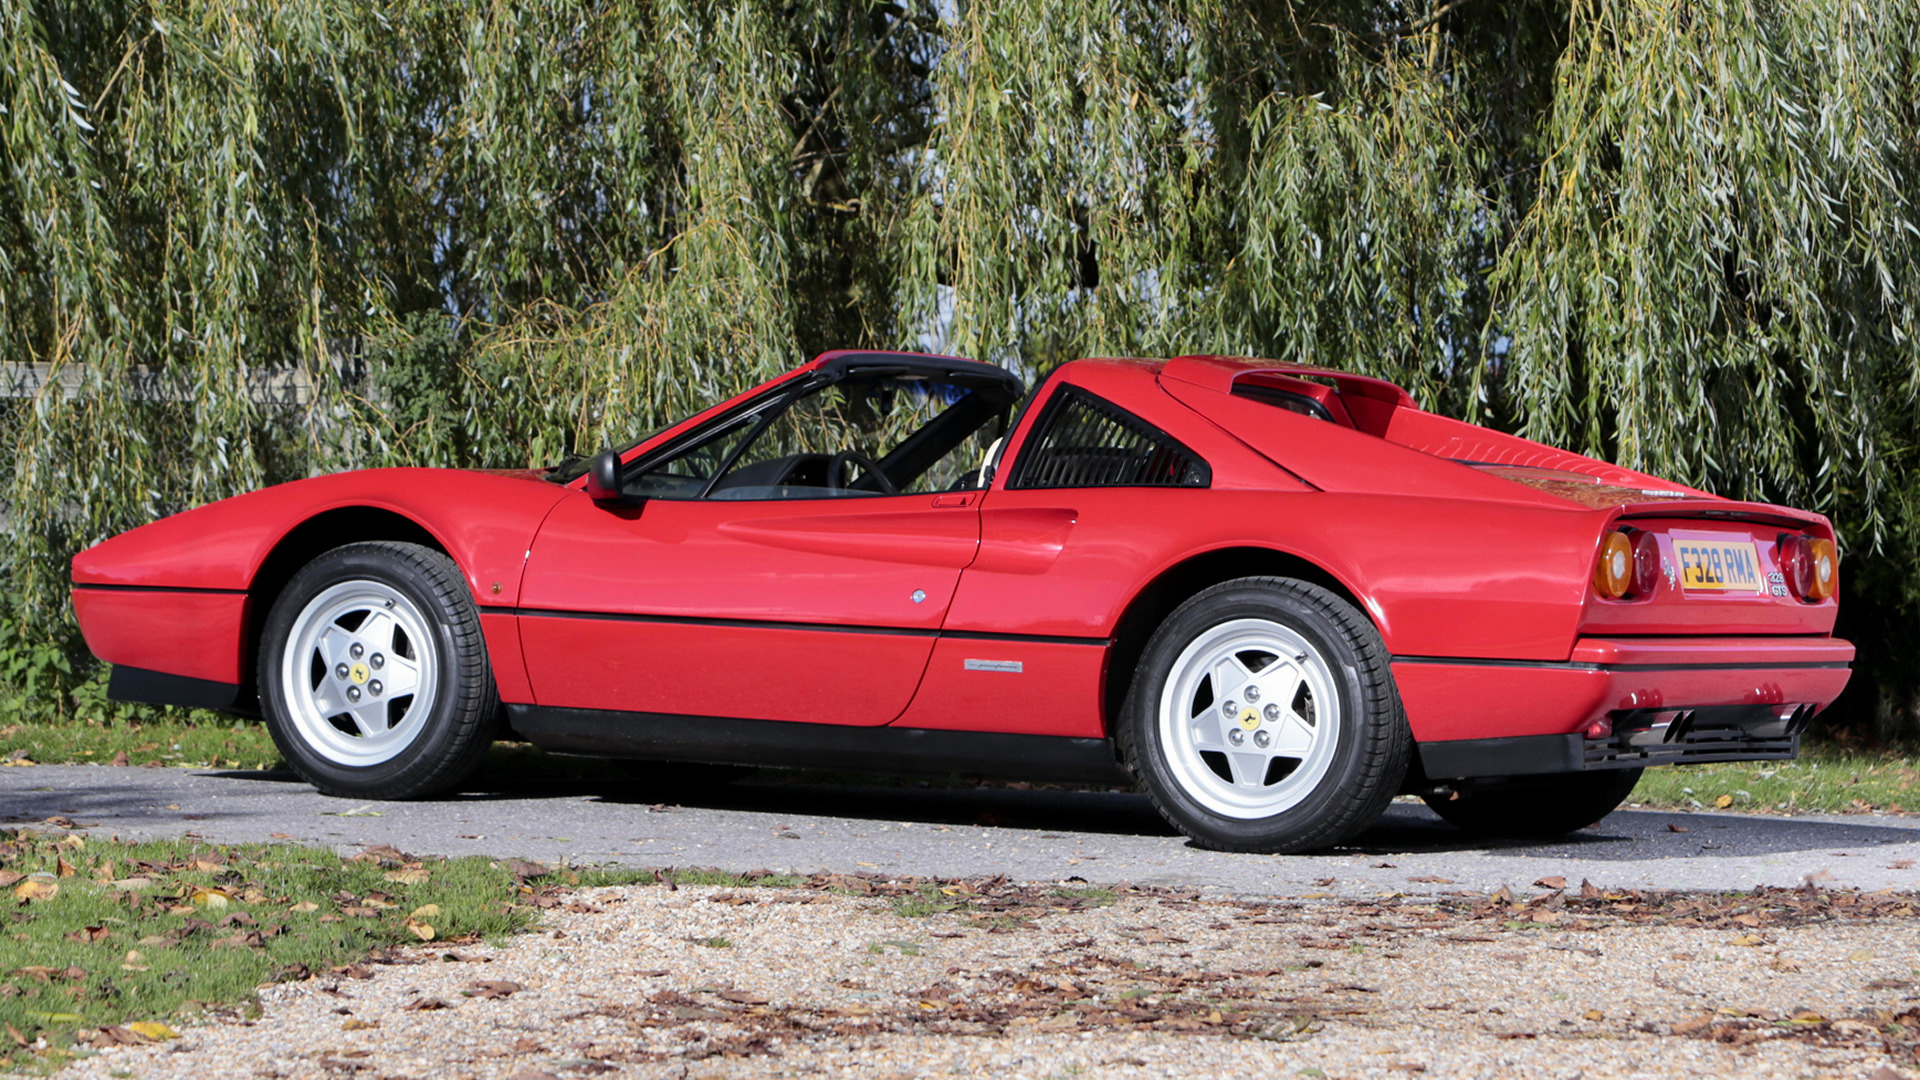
{"points": [[445, 737], [1537, 807], [1366, 752]]}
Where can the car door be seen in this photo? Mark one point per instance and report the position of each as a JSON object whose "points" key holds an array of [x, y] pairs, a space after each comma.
{"points": [[767, 573], [1090, 500]]}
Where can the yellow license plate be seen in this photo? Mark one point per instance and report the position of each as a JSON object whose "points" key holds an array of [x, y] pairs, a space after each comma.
{"points": [[1718, 565]]}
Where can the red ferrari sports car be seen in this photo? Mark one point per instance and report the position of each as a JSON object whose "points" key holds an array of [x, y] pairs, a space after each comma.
{"points": [[1276, 596]]}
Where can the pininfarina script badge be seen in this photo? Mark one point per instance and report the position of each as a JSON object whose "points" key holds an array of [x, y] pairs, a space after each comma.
{"points": [[1012, 666]]}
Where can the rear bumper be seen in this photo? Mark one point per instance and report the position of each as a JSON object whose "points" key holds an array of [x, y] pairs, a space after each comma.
{"points": [[1620, 703]]}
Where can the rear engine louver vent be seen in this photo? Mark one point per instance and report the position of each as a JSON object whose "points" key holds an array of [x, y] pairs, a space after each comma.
{"points": [[1083, 441]]}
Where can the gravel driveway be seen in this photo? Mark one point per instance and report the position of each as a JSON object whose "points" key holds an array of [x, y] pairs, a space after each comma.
{"points": [[1083, 939], [699, 982]]}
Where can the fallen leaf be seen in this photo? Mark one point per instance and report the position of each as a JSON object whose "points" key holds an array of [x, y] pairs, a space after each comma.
{"points": [[488, 989], [427, 1005], [742, 997], [8, 877], [305, 905], [1677, 828], [412, 875], [37, 887], [153, 1029], [356, 1024], [62, 866], [423, 931], [1596, 1014], [119, 758], [212, 898], [1723, 801], [1429, 879], [1748, 941], [1698, 1023], [424, 911], [115, 1035], [1552, 882]]}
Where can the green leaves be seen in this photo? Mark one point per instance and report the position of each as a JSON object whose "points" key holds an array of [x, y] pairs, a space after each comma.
{"points": [[1678, 236]]}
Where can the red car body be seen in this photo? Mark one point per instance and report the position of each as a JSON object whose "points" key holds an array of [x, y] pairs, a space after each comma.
{"points": [[994, 629]]}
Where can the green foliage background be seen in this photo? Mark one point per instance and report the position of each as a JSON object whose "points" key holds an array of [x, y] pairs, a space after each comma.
{"points": [[1680, 235]]}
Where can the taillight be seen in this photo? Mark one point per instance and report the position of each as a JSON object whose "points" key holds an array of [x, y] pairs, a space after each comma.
{"points": [[1646, 563], [1613, 574], [1826, 569], [1811, 567]]}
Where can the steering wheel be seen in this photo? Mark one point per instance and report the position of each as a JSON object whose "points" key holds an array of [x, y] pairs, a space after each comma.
{"points": [[837, 467]]}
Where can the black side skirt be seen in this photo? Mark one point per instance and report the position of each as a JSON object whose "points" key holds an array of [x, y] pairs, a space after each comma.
{"points": [[138, 686], [666, 737]]}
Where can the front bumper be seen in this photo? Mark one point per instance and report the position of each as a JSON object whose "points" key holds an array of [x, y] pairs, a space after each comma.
{"points": [[1620, 703]]}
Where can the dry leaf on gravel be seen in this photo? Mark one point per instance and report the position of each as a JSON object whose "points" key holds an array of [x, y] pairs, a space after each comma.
{"points": [[487, 989], [427, 1005]]}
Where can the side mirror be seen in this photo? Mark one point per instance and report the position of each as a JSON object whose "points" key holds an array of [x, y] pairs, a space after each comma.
{"points": [[603, 480]]}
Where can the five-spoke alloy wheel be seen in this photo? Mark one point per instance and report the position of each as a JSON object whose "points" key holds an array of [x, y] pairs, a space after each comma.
{"points": [[1263, 717], [373, 675]]}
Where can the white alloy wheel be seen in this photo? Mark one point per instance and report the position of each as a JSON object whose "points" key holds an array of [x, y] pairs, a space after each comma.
{"points": [[1250, 719], [358, 675]]}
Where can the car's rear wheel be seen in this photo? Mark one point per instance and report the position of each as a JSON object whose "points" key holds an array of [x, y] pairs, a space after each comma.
{"points": [[1539, 807], [1263, 717], [374, 675]]}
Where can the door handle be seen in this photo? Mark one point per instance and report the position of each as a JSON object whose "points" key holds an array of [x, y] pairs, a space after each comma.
{"points": [[954, 499]]}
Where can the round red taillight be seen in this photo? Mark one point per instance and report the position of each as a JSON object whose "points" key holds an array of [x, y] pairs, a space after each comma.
{"points": [[1646, 563], [1795, 555]]}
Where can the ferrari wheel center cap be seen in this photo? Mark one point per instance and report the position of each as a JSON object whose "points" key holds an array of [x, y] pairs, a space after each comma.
{"points": [[1249, 719], [359, 674]]}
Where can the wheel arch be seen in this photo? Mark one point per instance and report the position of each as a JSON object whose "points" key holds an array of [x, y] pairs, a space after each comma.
{"points": [[305, 542], [1172, 586]]}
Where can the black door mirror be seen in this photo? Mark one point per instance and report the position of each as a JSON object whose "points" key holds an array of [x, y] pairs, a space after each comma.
{"points": [[603, 481]]}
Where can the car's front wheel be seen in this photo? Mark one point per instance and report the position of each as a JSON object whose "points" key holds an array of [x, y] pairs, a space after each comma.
{"points": [[1263, 717], [374, 676], [1538, 807]]}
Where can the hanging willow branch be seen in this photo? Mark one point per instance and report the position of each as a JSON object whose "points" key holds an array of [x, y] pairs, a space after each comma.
{"points": [[1676, 234]]}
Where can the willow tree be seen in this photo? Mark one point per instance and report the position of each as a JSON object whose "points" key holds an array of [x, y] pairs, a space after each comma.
{"points": [[243, 241]]}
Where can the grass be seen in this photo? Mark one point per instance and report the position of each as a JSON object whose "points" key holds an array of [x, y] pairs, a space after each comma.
{"points": [[104, 934], [1825, 778], [234, 744]]}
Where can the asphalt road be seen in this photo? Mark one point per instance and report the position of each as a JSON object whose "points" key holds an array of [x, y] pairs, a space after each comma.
{"points": [[948, 832]]}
